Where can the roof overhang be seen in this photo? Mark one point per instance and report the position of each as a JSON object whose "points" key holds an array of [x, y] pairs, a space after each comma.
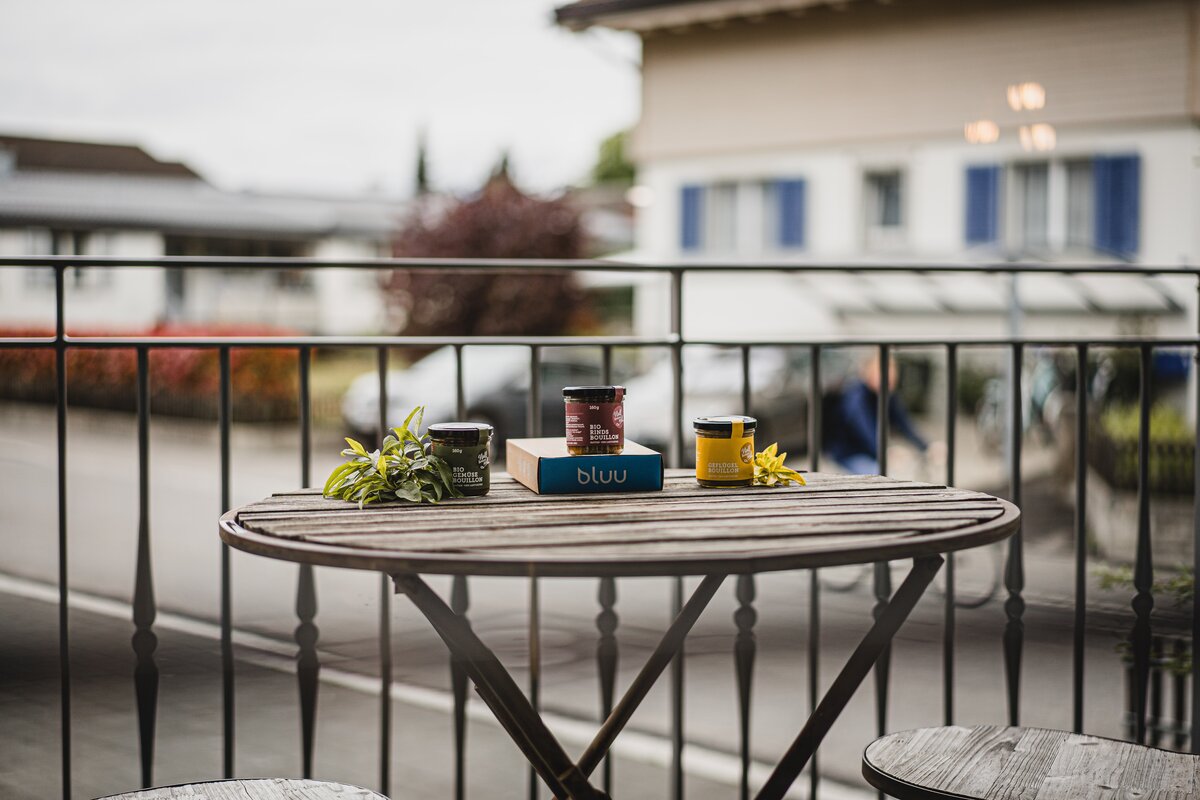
{"points": [[642, 16]]}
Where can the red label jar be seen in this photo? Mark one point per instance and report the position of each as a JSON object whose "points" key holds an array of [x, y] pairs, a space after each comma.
{"points": [[595, 420]]}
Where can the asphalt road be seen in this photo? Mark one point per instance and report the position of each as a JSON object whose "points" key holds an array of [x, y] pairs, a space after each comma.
{"points": [[184, 504]]}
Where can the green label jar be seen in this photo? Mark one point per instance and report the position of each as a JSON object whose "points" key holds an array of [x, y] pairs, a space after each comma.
{"points": [[464, 447]]}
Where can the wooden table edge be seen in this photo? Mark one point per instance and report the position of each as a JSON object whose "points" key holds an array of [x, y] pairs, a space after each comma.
{"points": [[396, 562], [134, 793]]}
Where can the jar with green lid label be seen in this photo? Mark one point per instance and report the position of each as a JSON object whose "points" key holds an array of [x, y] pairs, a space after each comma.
{"points": [[725, 450], [464, 447]]}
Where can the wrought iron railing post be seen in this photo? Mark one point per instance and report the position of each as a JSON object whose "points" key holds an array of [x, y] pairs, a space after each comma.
{"points": [[814, 583], [676, 460], [948, 621], [385, 613], [606, 660], [1014, 572], [145, 674], [534, 428], [744, 650], [1154, 725], [1081, 469], [459, 603], [883, 573], [1143, 570], [308, 664], [1194, 728], [224, 421], [745, 645], [64, 621], [1179, 726], [535, 666], [677, 384]]}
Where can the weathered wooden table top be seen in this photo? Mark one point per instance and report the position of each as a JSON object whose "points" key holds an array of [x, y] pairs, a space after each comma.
{"points": [[995, 763], [683, 530], [256, 789]]}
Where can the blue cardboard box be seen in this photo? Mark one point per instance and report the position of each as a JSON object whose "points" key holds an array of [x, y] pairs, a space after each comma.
{"points": [[545, 466]]}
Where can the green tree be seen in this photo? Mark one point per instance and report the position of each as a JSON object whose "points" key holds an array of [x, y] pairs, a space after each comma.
{"points": [[422, 179], [612, 165], [502, 172]]}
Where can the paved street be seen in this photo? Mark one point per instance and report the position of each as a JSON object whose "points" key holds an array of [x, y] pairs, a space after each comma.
{"points": [[184, 505]]}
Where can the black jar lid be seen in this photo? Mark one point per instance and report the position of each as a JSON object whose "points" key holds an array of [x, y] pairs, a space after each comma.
{"points": [[724, 424], [464, 433], [594, 394]]}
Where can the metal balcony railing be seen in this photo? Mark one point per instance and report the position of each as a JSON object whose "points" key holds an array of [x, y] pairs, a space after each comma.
{"points": [[1144, 714]]}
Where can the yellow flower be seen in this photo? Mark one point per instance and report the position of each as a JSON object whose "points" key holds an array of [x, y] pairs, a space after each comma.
{"points": [[769, 469]]}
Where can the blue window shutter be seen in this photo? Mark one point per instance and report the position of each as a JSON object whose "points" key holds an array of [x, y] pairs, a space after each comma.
{"points": [[691, 208], [983, 202], [790, 198], [1116, 181]]}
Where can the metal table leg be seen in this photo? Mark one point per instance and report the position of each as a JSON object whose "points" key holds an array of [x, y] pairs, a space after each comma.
{"points": [[514, 711], [568, 779], [851, 677]]}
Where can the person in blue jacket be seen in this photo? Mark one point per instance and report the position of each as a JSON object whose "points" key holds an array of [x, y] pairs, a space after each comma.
{"points": [[851, 436]]}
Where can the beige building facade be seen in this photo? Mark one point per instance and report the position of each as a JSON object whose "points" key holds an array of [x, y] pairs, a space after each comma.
{"points": [[915, 130]]}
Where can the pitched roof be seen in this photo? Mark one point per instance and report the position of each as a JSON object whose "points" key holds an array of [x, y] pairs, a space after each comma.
{"points": [[185, 205], [32, 154], [583, 12], [646, 15]]}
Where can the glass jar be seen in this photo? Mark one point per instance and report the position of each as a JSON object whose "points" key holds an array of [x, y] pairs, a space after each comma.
{"points": [[725, 451], [595, 420], [464, 447]]}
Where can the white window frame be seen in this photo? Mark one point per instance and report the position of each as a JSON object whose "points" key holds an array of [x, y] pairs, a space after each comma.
{"points": [[878, 237], [1058, 243]]}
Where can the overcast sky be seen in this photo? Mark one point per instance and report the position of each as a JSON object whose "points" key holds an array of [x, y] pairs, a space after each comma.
{"points": [[324, 96]]}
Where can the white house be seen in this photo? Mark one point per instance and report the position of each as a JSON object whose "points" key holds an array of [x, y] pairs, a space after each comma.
{"points": [[915, 131], [86, 198]]}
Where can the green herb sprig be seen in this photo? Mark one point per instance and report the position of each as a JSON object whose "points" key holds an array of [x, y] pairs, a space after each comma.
{"points": [[405, 468], [769, 469]]}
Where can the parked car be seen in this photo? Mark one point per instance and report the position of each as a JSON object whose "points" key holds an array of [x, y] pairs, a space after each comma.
{"points": [[496, 380], [712, 382]]}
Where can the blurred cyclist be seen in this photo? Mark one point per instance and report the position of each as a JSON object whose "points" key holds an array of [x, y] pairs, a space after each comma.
{"points": [[851, 426]]}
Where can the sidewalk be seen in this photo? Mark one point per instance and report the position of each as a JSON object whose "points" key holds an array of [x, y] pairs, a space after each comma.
{"points": [[105, 756], [105, 759]]}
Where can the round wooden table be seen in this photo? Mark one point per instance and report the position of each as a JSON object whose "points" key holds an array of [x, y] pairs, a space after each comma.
{"points": [[252, 789], [683, 530]]}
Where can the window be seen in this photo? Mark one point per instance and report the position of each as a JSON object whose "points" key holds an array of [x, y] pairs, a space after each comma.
{"points": [[1117, 194], [1089, 204], [784, 204], [983, 204], [884, 208], [1030, 210], [1081, 207], [745, 218], [709, 218], [720, 219], [691, 209], [41, 241]]}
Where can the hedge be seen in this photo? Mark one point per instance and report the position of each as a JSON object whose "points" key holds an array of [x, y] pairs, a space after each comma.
{"points": [[183, 382], [1113, 449]]}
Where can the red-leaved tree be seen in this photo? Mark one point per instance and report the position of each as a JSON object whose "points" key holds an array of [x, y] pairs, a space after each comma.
{"points": [[499, 222]]}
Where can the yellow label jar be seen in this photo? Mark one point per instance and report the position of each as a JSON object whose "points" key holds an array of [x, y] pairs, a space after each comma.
{"points": [[725, 450]]}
